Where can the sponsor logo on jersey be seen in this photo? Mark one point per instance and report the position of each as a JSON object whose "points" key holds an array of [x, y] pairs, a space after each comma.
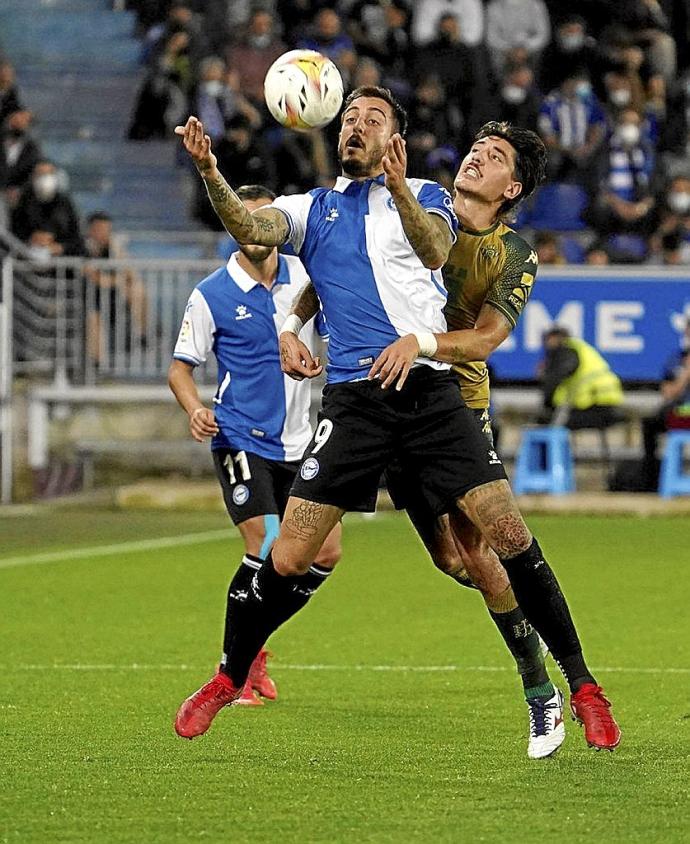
{"points": [[186, 329], [310, 469], [332, 215], [255, 432], [365, 361], [242, 312], [240, 495]]}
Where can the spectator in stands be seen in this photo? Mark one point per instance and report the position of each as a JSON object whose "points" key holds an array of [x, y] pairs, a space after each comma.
{"points": [[380, 29], [548, 248], [180, 18], [519, 102], [9, 95], [649, 28], [620, 53], [571, 48], [19, 154], [240, 151], [468, 13], [163, 98], [579, 388], [115, 306], [573, 126], [218, 97], [674, 219], [597, 255], [625, 203], [462, 71], [328, 38], [252, 56], [43, 207], [674, 411], [431, 123], [517, 31]]}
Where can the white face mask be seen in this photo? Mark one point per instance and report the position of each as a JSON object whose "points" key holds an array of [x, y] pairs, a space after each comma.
{"points": [[45, 186], [40, 255], [583, 89], [213, 88], [570, 43], [628, 134], [514, 94], [678, 201], [620, 96]]}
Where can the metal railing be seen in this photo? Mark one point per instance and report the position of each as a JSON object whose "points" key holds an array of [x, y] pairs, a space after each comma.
{"points": [[79, 321]]}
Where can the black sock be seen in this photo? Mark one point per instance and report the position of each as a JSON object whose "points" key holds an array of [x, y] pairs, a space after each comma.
{"points": [[538, 593], [255, 613], [239, 585], [523, 643]]}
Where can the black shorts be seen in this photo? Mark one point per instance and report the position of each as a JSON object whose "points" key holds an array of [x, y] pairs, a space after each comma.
{"points": [[426, 427], [253, 485], [405, 492]]}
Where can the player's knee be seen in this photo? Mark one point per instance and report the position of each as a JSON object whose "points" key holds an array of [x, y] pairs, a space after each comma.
{"points": [[290, 567]]}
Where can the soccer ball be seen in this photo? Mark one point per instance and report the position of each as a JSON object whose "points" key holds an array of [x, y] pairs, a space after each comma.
{"points": [[303, 90]]}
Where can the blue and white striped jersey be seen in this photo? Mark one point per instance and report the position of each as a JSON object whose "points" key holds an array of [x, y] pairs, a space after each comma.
{"points": [[372, 286], [257, 408]]}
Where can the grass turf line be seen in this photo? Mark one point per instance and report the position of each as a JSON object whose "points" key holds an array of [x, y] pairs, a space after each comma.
{"points": [[359, 756]]}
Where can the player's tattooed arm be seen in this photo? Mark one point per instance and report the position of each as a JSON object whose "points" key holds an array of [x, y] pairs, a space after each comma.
{"points": [[428, 234], [268, 228], [306, 303], [490, 330]]}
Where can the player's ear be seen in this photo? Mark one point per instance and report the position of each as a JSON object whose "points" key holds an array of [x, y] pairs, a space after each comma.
{"points": [[513, 190]]}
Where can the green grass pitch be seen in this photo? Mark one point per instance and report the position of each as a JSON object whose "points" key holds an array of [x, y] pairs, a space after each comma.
{"points": [[399, 717]]}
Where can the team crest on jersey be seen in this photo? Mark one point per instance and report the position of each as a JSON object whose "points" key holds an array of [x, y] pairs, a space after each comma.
{"points": [[489, 252], [310, 469], [242, 312], [390, 202], [240, 495]]}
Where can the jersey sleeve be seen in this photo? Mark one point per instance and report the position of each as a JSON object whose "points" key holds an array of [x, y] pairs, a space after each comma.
{"points": [[435, 199], [512, 288], [296, 210], [197, 332]]}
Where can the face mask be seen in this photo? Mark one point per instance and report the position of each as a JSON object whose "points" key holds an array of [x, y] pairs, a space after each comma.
{"points": [[583, 89], [628, 134], [260, 41], [620, 96], [570, 43], [213, 88], [679, 202], [40, 255], [45, 187], [514, 94]]}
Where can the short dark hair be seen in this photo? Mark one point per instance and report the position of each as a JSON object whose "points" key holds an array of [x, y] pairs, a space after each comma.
{"points": [[384, 94], [254, 192], [99, 217], [530, 157]]}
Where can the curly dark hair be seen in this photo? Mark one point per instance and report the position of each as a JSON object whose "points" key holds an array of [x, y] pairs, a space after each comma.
{"points": [[384, 94], [530, 158]]}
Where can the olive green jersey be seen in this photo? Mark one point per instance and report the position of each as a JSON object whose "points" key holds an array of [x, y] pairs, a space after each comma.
{"points": [[495, 266]]}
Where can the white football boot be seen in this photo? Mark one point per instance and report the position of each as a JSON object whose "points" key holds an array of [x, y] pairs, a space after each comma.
{"points": [[546, 727]]}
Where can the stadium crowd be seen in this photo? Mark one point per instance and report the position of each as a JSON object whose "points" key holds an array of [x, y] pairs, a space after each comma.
{"points": [[607, 87]]}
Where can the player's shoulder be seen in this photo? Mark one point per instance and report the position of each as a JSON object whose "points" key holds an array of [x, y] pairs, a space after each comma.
{"points": [[213, 282], [295, 268], [418, 185], [516, 246]]}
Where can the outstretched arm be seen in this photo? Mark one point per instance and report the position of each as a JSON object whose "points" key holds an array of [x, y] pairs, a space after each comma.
{"points": [[428, 234], [267, 227], [295, 358], [394, 362]]}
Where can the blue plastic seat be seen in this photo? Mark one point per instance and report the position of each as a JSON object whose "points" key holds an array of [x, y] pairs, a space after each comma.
{"points": [[558, 207], [673, 480], [544, 462]]}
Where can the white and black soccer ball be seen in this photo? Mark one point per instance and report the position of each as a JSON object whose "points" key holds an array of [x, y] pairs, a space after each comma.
{"points": [[303, 90]]}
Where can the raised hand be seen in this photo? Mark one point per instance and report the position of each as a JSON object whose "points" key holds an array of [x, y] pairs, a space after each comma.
{"points": [[395, 163], [198, 145]]}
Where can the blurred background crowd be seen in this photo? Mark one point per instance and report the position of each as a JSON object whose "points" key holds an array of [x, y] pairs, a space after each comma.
{"points": [[607, 86]]}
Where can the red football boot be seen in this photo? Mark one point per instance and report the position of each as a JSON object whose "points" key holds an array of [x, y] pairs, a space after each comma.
{"points": [[195, 715], [593, 711], [248, 697], [258, 676]]}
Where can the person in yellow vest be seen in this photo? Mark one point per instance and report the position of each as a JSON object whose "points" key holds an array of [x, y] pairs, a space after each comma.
{"points": [[580, 389]]}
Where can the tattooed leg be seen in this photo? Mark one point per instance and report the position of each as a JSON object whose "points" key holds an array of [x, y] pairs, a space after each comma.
{"points": [[305, 526], [493, 509]]}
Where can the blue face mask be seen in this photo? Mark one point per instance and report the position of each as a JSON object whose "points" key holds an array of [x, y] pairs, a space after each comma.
{"points": [[583, 89]]}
